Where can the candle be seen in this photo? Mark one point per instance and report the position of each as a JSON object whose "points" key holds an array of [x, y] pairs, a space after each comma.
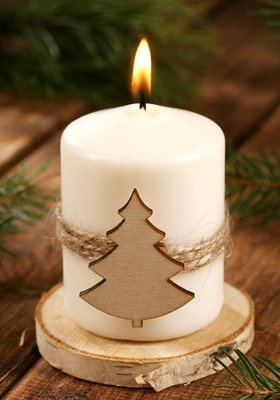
{"points": [[175, 160]]}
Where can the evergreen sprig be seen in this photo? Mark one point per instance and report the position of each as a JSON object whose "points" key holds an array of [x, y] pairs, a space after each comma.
{"points": [[86, 48], [271, 13], [245, 380], [22, 200], [253, 184]]}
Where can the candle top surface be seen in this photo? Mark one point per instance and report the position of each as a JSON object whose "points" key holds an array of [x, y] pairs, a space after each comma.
{"points": [[129, 134]]}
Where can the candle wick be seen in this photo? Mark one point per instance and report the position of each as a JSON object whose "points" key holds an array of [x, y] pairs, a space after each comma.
{"points": [[142, 100]]}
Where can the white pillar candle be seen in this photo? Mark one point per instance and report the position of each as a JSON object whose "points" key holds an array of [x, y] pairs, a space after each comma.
{"points": [[175, 159]]}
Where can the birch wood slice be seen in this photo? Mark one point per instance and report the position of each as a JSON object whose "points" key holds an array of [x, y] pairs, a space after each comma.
{"points": [[84, 355]]}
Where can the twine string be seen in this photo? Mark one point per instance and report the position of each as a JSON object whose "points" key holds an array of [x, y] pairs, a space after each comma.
{"points": [[92, 246]]}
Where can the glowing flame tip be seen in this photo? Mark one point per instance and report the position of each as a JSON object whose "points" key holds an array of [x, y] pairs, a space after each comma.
{"points": [[142, 69]]}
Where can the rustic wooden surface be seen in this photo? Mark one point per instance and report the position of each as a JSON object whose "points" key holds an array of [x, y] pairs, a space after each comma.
{"points": [[243, 98]]}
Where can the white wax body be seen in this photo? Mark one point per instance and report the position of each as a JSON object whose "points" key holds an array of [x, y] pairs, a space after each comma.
{"points": [[175, 159]]}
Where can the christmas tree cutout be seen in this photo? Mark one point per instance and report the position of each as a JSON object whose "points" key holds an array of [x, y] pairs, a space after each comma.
{"points": [[136, 273]]}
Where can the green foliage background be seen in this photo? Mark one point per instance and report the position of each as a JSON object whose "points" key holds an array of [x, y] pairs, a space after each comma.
{"points": [[271, 13], [85, 48]]}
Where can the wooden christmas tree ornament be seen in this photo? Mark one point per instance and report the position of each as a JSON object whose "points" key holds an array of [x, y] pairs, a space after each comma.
{"points": [[136, 273]]}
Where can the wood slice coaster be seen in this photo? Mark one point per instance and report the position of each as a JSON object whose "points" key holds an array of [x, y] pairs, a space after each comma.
{"points": [[84, 355]]}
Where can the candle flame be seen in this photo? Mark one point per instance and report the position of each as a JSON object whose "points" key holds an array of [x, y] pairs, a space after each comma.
{"points": [[142, 69]]}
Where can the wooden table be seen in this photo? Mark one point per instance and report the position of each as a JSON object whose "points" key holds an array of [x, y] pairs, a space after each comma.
{"points": [[243, 98]]}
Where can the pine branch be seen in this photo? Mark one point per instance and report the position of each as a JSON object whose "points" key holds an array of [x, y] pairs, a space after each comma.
{"points": [[271, 14], [86, 48], [244, 380], [22, 201], [253, 184]]}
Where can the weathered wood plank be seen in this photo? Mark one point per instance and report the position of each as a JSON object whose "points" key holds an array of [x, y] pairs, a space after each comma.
{"points": [[243, 88], [25, 124], [268, 136], [23, 279], [254, 266]]}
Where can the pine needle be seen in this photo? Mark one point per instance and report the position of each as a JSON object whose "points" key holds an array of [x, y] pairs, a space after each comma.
{"points": [[22, 201], [86, 48], [253, 184], [271, 14], [248, 382]]}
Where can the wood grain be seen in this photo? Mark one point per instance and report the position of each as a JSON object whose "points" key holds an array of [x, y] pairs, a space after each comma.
{"points": [[138, 364], [43, 382], [267, 135], [241, 90], [23, 279], [25, 124]]}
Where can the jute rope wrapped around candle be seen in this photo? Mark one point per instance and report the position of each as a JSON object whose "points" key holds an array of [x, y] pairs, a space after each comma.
{"points": [[91, 246]]}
